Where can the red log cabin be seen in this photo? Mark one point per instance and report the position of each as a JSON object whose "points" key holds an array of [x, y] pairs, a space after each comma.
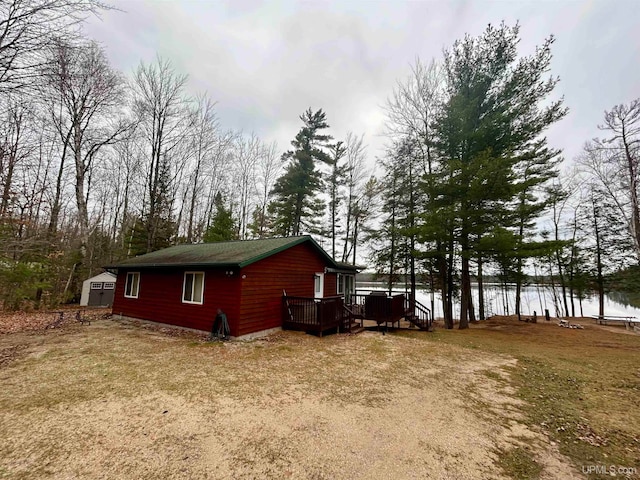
{"points": [[184, 285]]}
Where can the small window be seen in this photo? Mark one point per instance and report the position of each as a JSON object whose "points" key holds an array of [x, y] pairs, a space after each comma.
{"points": [[349, 286], [109, 285], [193, 289], [132, 285], [96, 285], [318, 285], [346, 285]]}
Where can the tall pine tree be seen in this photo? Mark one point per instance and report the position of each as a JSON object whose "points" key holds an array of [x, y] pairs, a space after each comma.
{"points": [[296, 207], [490, 127]]}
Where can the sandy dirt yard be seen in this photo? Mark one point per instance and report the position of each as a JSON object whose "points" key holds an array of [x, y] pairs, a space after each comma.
{"points": [[124, 400]]}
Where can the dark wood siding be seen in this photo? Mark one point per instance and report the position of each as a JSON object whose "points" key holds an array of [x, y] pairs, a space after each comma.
{"points": [[263, 282], [251, 297], [330, 284], [160, 298]]}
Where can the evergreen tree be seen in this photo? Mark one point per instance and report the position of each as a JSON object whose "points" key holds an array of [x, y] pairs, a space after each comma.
{"points": [[395, 242], [223, 226], [296, 207], [150, 232], [489, 128], [384, 241]]}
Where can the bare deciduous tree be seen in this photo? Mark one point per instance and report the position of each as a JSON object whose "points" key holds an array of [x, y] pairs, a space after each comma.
{"points": [[26, 29], [85, 95], [356, 176], [160, 108], [268, 169], [622, 150], [412, 108], [203, 142], [247, 151], [16, 145]]}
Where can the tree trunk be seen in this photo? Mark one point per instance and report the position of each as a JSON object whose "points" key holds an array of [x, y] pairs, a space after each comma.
{"points": [[347, 228], [194, 193], [465, 282], [480, 289], [563, 284], [449, 281], [600, 277], [355, 239], [393, 250], [6, 193], [444, 284], [81, 202], [412, 239], [633, 189], [55, 208], [432, 291]]}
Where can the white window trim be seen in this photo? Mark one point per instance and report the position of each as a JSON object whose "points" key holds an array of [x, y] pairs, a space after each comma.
{"points": [[133, 275], [349, 278], [318, 294], [184, 284], [96, 286], [109, 285]]}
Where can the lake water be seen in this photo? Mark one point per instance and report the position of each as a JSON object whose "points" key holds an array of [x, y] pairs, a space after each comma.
{"points": [[533, 297]]}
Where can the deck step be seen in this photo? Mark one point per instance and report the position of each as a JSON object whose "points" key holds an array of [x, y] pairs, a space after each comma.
{"points": [[415, 320]]}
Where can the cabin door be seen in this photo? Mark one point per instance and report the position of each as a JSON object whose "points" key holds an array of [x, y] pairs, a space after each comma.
{"points": [[318, 285]]}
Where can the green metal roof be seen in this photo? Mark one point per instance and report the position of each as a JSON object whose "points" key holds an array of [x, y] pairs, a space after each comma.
{"points": [[239, 253]]}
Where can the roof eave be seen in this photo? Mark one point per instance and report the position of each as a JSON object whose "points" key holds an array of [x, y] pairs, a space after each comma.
{"points": [[129, 266], [344, 269]]}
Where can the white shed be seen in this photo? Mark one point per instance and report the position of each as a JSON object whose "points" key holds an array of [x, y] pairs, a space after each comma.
{"points": [[98, 291]]}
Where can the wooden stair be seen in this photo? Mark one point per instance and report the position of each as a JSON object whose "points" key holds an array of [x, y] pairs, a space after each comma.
{"points": [[354, 320], [417, 322], [356, 328], [419, 316]]}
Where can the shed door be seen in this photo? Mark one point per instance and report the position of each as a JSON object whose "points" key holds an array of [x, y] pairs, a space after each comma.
{"points": [[318, 285], [101, 294]]}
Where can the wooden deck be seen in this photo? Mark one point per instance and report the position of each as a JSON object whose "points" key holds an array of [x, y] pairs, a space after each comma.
{"points": [[332, 314], [314, 315]]}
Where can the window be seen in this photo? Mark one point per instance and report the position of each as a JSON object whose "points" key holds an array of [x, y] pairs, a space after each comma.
{"points": [[193, 289], [109, 285], [318, 285], [349, 286], [346, 285], [132, 285], [96, 285]]}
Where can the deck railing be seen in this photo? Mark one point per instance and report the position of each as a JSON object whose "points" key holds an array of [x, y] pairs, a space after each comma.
{"points": [[418, 314], [313, 315], [379, 307], [318, 315]]}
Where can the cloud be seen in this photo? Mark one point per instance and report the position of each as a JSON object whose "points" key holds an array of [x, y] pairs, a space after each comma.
{"points": [[266, 62]]}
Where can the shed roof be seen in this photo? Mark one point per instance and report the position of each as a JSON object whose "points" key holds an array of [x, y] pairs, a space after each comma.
{"points": [[101, 277], [239, 253]]}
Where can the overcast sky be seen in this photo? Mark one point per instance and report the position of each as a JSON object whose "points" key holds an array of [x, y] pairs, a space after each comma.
{"points": [[267, 62]]}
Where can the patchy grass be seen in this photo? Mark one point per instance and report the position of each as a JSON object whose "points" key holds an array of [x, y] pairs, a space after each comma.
{"points": [[122, 399], [519, 463], [582, 386]]}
